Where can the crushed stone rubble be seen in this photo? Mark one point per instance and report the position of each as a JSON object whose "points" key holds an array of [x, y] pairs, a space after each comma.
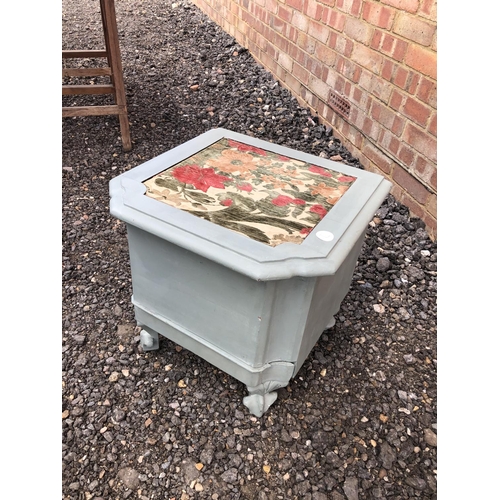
{"points": [[358, 422]]}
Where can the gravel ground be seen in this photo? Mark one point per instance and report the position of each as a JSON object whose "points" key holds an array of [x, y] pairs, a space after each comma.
{"points": [[360, 419]]}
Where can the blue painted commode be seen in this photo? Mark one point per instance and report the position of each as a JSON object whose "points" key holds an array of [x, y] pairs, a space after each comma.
{"points": [[242, 250]]}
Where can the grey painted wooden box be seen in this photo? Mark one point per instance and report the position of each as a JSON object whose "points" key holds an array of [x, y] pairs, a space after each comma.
{"points": [[251, 303]]}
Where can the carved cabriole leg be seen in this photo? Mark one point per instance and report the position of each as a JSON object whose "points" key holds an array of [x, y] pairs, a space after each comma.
{"points": [[149, 339], [262, 397]]}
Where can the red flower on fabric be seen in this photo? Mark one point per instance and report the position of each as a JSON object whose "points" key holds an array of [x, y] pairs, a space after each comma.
{"points": [[227, 202], [318, 170], [306, 230], [245, 147], [245, 187], [282, 201], [346, 178], [200, 178], [283, 158], [319, 209]]}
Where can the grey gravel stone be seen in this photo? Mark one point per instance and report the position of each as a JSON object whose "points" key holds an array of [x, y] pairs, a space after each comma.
{"points": [[403, 395], [378, 492], [387, 455], [351, 488], [303, 488], [230, 476], [409, 359], [125, 332], [129, 477], [334, 460], [108, 436], [118, 415], [317, 495], [430, 437], [383, 264], [93, 485], [336, 495], [189, 471], [207, 455], [416, 482]]}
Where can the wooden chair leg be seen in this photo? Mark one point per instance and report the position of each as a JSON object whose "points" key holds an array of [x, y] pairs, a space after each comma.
{"points": [[114, 71], [108, 16]]}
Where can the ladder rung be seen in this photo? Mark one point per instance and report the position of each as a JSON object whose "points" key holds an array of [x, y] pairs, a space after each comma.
{"points": [[83, 54], [86, 72], [87, 89], [92, 110]]}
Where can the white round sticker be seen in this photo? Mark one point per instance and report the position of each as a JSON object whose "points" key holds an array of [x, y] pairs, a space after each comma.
{"points": [[325, 235]]}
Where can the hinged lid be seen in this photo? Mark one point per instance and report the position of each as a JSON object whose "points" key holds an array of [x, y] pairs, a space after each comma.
{"points": [[266, 196], [268, 211]]}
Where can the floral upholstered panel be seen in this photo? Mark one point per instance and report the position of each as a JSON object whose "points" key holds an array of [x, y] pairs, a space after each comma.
{"points": [[261, 194]]}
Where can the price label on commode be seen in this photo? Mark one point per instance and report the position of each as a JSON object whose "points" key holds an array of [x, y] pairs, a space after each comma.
{"points": [[325, 235]]}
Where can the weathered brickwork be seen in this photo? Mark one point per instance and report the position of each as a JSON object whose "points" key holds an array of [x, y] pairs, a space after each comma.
{"points": [[379, 54]]}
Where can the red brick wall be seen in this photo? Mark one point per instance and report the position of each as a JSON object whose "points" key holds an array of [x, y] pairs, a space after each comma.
{"points": [[380, 55]]}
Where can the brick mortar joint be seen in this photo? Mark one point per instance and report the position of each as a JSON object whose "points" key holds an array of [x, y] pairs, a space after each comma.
{"points": [[387, 153]]}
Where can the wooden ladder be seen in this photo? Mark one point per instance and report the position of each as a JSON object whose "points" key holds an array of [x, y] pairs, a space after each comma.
{"points": [[113, 70]]}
